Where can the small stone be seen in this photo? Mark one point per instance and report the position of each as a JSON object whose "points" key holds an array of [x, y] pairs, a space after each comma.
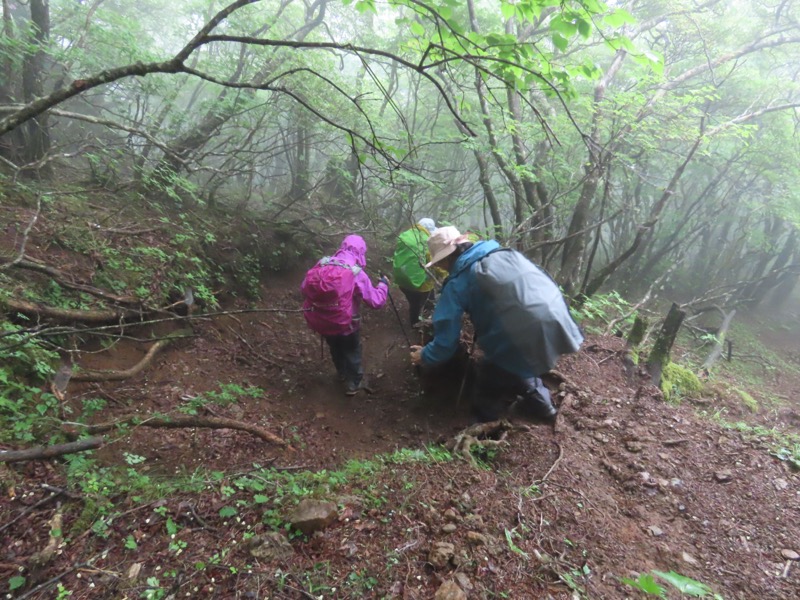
{"points": [[449, 590], [780, 484], [655, 531], [441, 554], [270, 546], [475, 521], [312, 515], [723, 476], [451, 515], [790, 554], [688, 558], [477, 539], [632, 446], [449, 528], [463, 581]]}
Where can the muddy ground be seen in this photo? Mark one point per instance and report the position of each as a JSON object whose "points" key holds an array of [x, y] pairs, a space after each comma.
{"points": [[623, 484]]}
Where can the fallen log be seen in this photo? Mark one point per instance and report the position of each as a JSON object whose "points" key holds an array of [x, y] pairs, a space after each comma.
{"points": [[66, 314], [187, 421], [44, 452]]}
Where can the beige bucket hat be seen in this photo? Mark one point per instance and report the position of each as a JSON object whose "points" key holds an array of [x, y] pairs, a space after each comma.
{"points": [[442, 243]]}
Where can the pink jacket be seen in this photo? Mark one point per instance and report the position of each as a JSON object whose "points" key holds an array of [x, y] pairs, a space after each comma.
{"points": [[353, 251]]}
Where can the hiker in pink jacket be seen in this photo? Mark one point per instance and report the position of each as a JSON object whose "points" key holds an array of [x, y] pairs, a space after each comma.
{"points": [[333, 290]]}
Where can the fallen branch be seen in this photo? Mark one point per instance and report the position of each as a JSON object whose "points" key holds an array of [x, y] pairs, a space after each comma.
{"points": [[43, 452], [54, 493], [63, 280], [186, 421], [69, 315], [21, 253]]}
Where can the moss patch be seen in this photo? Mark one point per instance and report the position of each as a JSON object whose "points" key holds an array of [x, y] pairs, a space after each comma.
{"points": [[748, 400], [678, 381]]}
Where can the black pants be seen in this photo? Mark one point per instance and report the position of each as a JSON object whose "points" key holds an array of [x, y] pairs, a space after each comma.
{"points": [[346, 354], [495, 389], [416, 301]]}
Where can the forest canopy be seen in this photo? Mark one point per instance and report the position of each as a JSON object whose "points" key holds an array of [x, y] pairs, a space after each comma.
{"points": [[633, 145]]}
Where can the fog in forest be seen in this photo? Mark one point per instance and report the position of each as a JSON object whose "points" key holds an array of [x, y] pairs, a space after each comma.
{"points": [[644, 147]]}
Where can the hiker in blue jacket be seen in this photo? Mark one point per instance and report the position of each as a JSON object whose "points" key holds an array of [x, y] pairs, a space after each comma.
{"points": [[521, 321]]}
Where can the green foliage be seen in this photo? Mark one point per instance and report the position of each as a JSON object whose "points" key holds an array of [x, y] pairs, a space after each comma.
{"points": [[685, 585], [16, 582], [229, 393], [597, 311], [748, 400]]}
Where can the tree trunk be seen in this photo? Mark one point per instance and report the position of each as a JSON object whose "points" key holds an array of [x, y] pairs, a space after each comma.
{"points": [[716, 352], [659, 355], [33, 73]]}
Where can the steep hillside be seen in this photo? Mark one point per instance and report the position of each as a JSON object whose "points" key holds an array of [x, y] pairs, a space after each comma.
{"points": [[623, 485]]}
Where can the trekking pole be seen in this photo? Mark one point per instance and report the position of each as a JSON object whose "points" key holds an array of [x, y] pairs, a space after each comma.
{"points": [[397, 314]]}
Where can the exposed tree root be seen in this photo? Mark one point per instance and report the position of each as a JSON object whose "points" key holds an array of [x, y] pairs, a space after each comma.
{"points": [[89, 375], [124, 374], [480, 435], [42, 452], [185, 421]]}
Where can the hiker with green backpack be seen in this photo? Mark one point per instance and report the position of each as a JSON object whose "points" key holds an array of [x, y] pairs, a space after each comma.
{"points": [[410, 256], [521, 321], [333, 290]]}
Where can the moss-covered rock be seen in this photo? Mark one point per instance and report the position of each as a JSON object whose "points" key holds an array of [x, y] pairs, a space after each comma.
{"points": [[678, 382]]}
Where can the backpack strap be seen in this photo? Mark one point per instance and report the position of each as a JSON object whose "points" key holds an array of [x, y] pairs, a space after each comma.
{"points": [[329, 260]]}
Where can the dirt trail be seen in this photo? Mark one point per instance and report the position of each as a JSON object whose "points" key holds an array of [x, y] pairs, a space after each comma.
{"points": [[625, 483]]}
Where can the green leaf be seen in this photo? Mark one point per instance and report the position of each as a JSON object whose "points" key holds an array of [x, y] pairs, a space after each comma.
{"points": [[172, 528], [508, 10], [227, 511], [130, 543], [567, 28], [363, 6], [417, 29], [260, 499], [584, 28], [645, 583], [686, 585], [16, 582], [560, 42], [618, 18]]}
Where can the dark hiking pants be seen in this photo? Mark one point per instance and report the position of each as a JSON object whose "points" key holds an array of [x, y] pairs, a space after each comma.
{"points": [[346, 354], [495, 389], [416, 301]]}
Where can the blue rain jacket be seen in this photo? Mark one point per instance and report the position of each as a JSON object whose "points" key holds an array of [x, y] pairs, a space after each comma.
{"points": [[529, 352]]}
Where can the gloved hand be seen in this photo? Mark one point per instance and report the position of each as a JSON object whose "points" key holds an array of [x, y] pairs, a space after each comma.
{"points": [[416, 355]]}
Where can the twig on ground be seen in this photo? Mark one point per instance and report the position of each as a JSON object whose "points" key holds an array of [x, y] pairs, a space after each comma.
{"points": [[554, 465]]}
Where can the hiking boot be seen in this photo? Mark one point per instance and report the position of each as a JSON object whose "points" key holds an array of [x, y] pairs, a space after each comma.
{"points": [[534, 406], [351, 388]]}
